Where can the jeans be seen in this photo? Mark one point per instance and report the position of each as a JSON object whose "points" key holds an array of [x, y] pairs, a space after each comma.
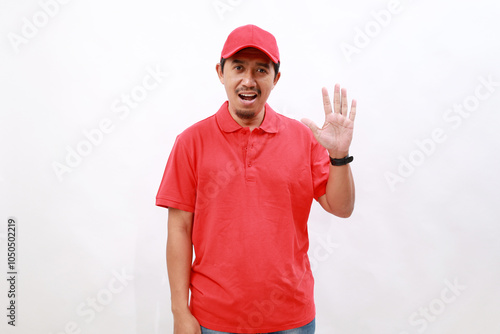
{"points": [[307, 329]]}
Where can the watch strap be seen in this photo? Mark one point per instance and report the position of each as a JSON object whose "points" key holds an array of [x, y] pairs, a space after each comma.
{"points": [[341, 162]]}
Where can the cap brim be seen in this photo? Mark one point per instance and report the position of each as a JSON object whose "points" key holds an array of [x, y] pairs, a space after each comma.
{"points": [[233, 52]]}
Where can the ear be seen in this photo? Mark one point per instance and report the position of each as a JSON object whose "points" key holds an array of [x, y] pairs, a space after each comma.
{"points": [[218, 68], [278, 76]]}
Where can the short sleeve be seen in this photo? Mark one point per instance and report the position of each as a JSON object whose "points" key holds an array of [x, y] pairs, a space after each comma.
{"points": [[178, 185], [320, 169]]}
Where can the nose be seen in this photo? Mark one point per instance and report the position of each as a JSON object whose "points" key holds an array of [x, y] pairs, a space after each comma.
{"points": [[248, 79]]}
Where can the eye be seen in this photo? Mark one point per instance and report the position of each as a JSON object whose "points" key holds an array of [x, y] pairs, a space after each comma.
{"points": [[261, 70], [238, 67]]}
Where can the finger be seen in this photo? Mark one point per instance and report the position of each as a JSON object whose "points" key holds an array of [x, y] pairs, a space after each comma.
{"points": [[343, 109], [336, 99], [352, 114], [311, 125], [326, 101]]}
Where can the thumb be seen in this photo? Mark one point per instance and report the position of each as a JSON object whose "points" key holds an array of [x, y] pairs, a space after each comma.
{"points": [[311, 125]]}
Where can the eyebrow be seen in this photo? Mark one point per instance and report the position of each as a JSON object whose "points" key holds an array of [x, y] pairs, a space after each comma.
{"points": [[237, 61], [266, 65]]}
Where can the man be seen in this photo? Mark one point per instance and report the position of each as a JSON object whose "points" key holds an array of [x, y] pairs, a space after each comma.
{"points": [[239, 187]]}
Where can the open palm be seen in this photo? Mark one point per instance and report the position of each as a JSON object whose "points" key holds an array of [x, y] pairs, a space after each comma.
{"points": [[336, 133]]}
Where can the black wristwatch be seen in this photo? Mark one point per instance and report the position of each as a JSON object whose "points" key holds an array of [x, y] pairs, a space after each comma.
{"points": [[341, 162]]}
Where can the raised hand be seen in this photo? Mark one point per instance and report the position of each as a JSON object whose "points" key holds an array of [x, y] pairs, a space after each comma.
{"points": [[336, 133]]}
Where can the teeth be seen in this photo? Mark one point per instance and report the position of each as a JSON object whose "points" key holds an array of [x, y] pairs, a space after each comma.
{"points": [[247, 95]]}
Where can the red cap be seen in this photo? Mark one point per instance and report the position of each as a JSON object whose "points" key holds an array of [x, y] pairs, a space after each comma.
{"points": [[251, 36]]}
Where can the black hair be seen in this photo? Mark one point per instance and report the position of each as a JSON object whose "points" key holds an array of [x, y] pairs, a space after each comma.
{"points": [[276, 66]]}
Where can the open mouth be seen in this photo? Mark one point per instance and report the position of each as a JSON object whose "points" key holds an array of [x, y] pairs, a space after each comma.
{"points": [[247, 97]]}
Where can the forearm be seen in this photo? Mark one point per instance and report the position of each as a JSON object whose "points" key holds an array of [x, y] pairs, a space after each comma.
{"points": [[179, 259], [340, 192]]}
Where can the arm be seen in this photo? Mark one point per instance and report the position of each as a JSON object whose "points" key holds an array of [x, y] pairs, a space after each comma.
{"points": [[339, 197], [336, 137], [179, 259]]}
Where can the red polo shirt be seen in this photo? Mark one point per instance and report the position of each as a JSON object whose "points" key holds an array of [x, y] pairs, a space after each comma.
{"points": [[251, 193]]}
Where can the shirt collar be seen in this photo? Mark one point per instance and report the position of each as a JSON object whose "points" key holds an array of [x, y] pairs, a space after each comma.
{"points": [[228, 124]]}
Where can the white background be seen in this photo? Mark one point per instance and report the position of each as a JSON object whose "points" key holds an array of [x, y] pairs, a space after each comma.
{"points": [[387, 269]]}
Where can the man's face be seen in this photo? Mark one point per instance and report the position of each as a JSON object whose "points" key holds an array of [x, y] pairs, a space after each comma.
{"points": [[249, 78]]}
